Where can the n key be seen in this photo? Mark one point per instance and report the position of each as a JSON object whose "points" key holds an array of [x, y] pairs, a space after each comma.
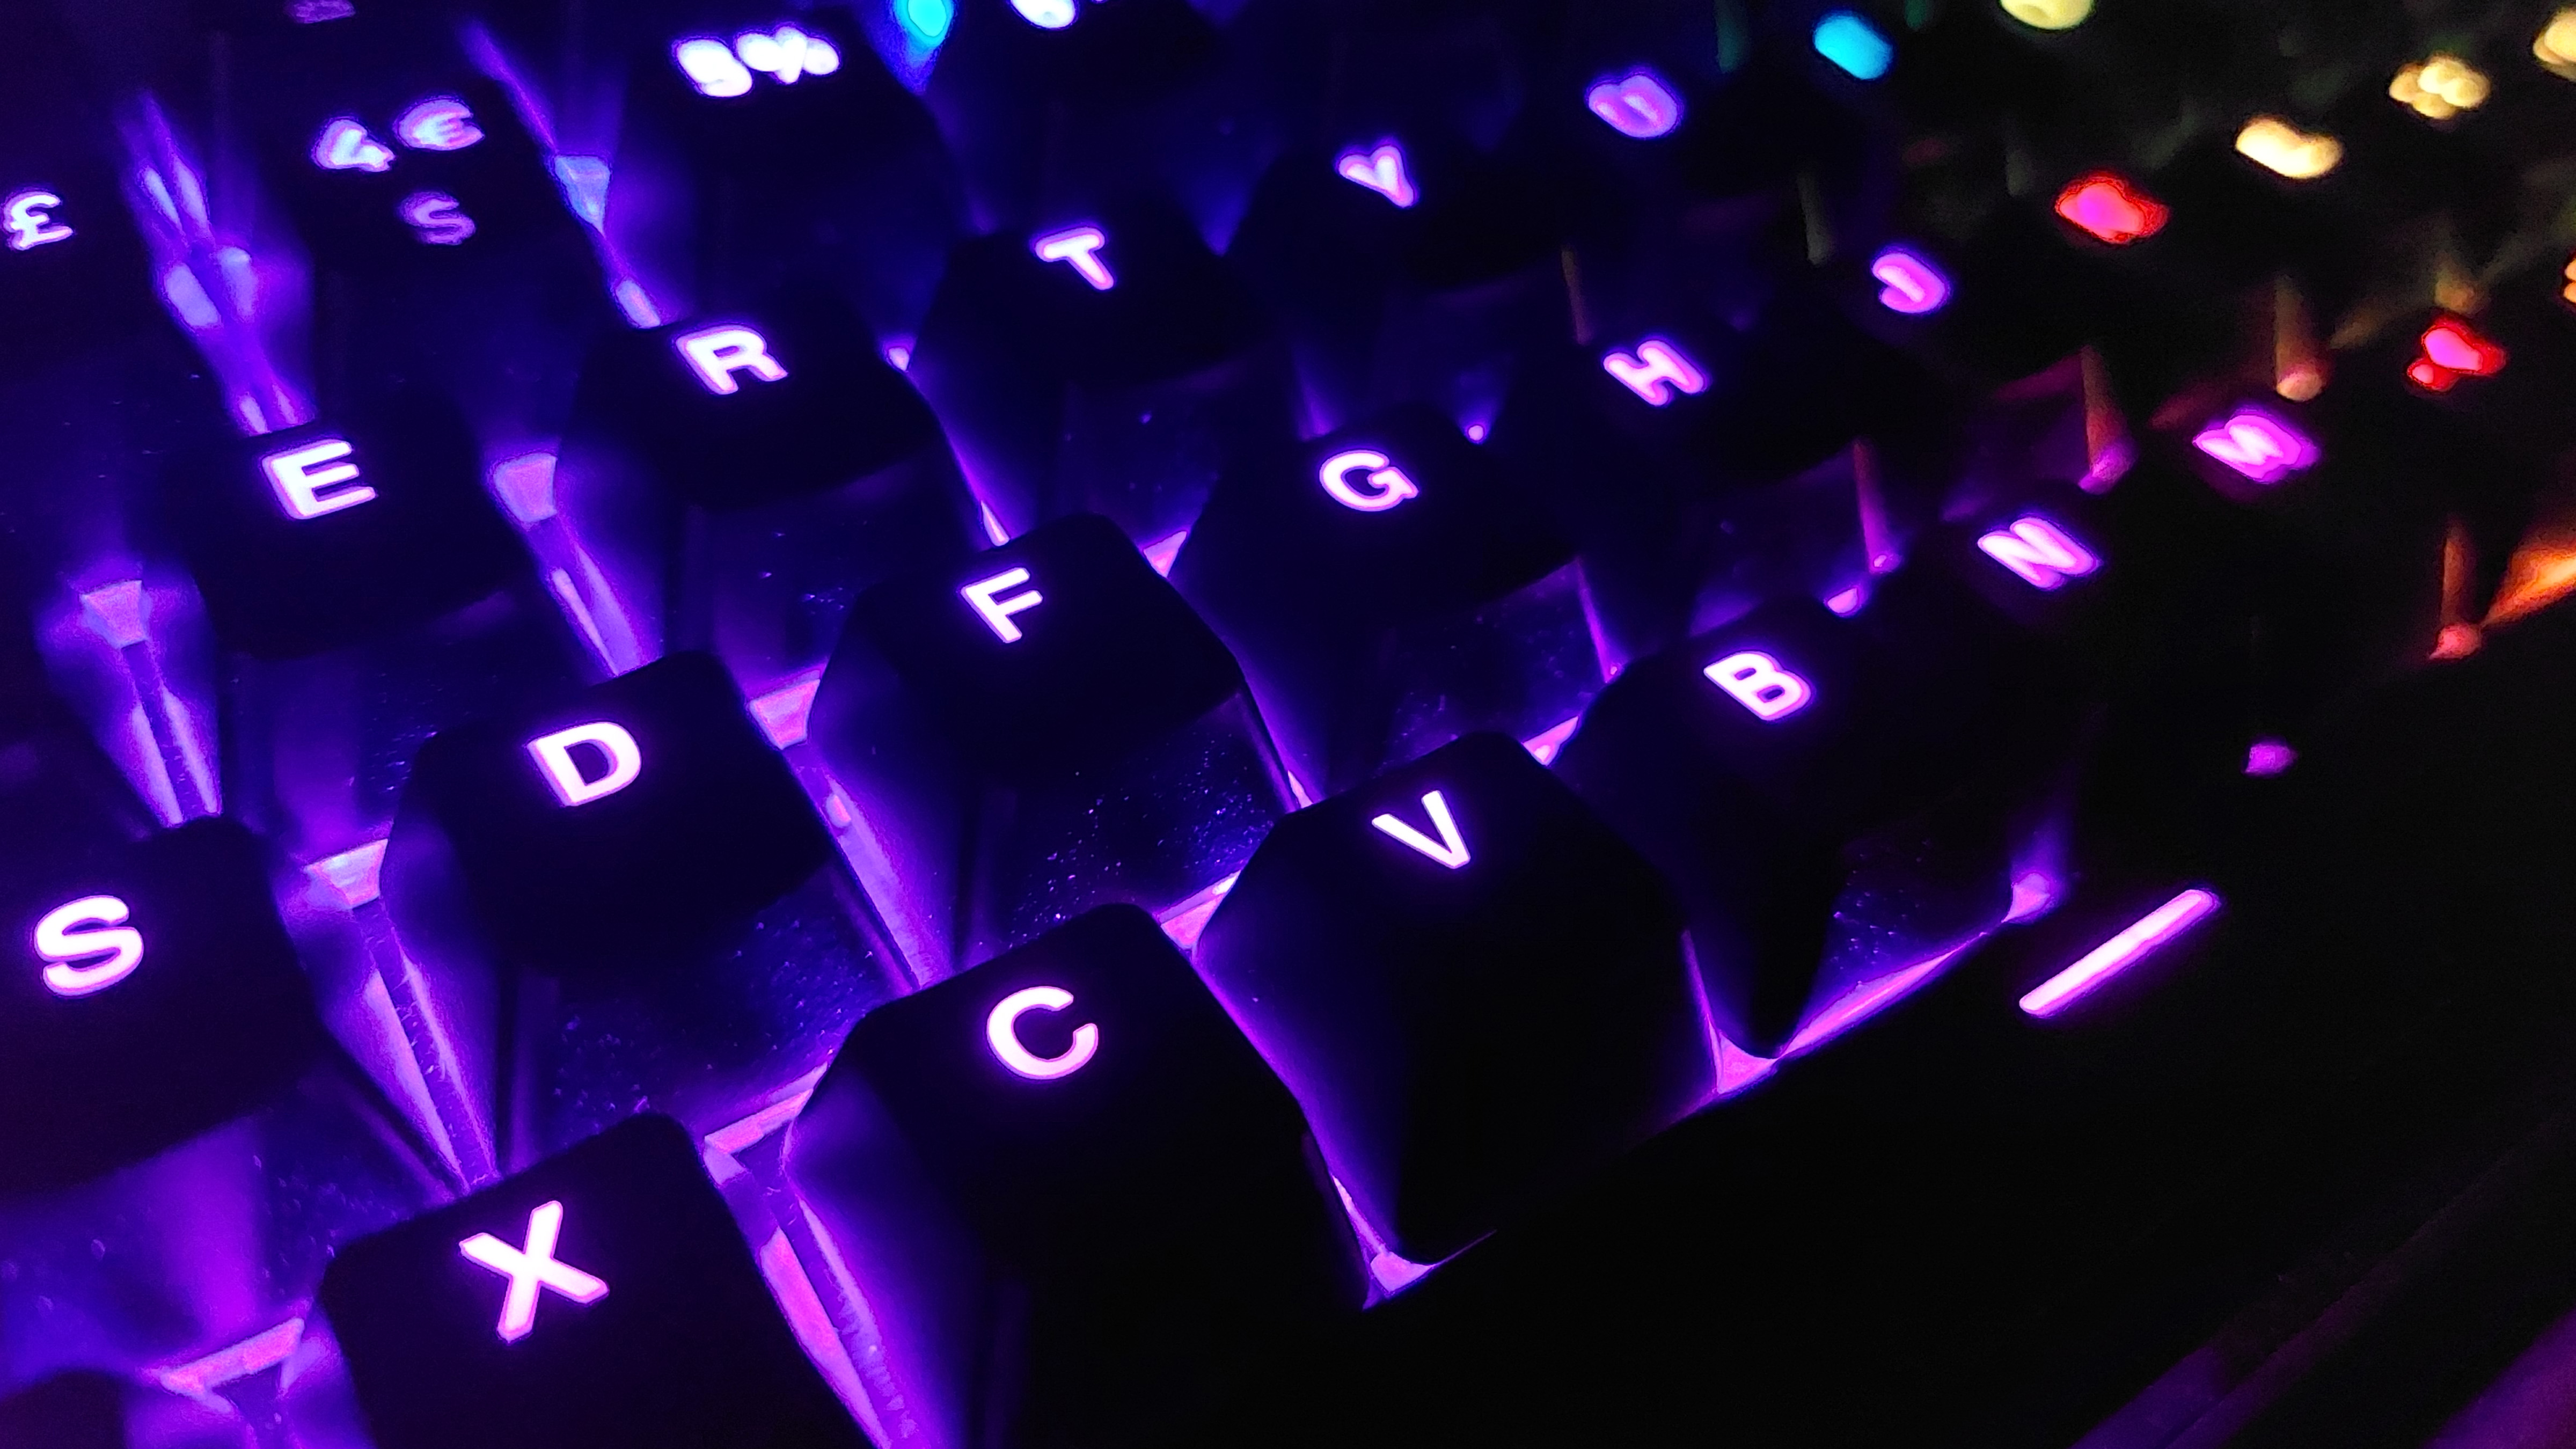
{"points": [[603, 1296], [1475, 988], [1068, 1160]]}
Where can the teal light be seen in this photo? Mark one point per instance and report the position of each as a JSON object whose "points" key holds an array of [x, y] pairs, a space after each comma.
{"points": [[1854, 44], [926, 21]]}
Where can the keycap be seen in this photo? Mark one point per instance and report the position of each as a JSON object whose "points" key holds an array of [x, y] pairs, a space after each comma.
{"points": [[183, 1109], [1075, 1198], [640, 862], [1476, 990], [602, 1295], [342, 530], [1040, 729], [1104, 362], [442, 245], [1786, 783], [760, 144], [741, 476], [1403, 266], [1388, 588], [154, 996], [69, 1410]]}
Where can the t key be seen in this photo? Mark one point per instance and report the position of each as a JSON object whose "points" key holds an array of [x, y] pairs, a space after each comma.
{"points": [[1067, 1160], [1475, 988], [603, 1296]]}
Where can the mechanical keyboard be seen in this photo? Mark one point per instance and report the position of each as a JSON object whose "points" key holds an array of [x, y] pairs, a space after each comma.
{"points": [[1070, 724]]}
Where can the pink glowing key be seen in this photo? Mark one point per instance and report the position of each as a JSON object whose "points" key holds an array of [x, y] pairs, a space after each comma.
{"points": [[1913, 285], [2258, 444], [2120, 953], [1381, 171], [531, 1269], [1638, 105], [1655, 370]]}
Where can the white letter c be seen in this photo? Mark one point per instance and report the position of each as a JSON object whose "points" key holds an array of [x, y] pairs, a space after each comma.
{"points": [[1002, 1031]]}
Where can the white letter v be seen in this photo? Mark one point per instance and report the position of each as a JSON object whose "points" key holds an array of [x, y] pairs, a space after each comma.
{"points": [[1450, 849]]}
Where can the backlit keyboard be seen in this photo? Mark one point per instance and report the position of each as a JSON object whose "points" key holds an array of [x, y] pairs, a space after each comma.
{"points": [[1102, 724]]}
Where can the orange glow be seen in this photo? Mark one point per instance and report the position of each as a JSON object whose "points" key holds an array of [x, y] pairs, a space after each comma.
{"points": [[2440, 88], [2458, 638], [2298, 368], [2279, 146], [2556, 46], [2111, 209], [2569, 291]]}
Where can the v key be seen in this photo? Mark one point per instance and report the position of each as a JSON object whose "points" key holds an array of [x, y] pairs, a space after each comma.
{"points": [[1450, 849]]}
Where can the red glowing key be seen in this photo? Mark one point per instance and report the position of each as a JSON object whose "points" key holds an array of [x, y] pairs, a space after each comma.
{"points": [[2453, 350], [2111, 208]]}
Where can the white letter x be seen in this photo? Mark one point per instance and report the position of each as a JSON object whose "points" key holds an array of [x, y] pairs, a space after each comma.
{"points": [[530, 1269]]}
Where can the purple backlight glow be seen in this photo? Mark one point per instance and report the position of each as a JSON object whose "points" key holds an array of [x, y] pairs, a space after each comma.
{"points": [[1912, 285], [2039, 552], [199, 1378], [1865, 1001], [1078, 247], [2127, 949], [783, 711], [1655, 371], [2259, 444], [1381, 171], [1638, 104], [2269, 757]]}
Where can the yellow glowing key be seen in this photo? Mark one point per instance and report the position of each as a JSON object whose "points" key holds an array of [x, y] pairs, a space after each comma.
{"points": [[2049, 14], [2440, 88], [2556, 46], [2275, 143], [2569, 291]]}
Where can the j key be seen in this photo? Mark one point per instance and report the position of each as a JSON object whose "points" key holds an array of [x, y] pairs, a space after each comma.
{"points": [[766, 142], [1403, 268], [603, 1296], [1075, 1198], [1389, 588], [1778, 774], [1038, 730], [1046, 99], [644, 867], [1473, 986], [1107, 364], [743, 475], [340, 531], [442, 245]]}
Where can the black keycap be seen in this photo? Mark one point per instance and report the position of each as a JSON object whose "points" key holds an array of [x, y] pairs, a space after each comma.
{"points": [[1077, 1201], [154, 995], [1103, 362], [1388, 589], [1476, 990], [741, 477], [1783, 778], [1038, 730], [641, 874], [1403, 267], [761, 143], [77, 1410], [603, 1296], [1044, 99], [341, 531], [442, 245]]}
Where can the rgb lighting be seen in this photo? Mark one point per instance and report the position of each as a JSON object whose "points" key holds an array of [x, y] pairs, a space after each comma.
{"points": [[2111, 209]]}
